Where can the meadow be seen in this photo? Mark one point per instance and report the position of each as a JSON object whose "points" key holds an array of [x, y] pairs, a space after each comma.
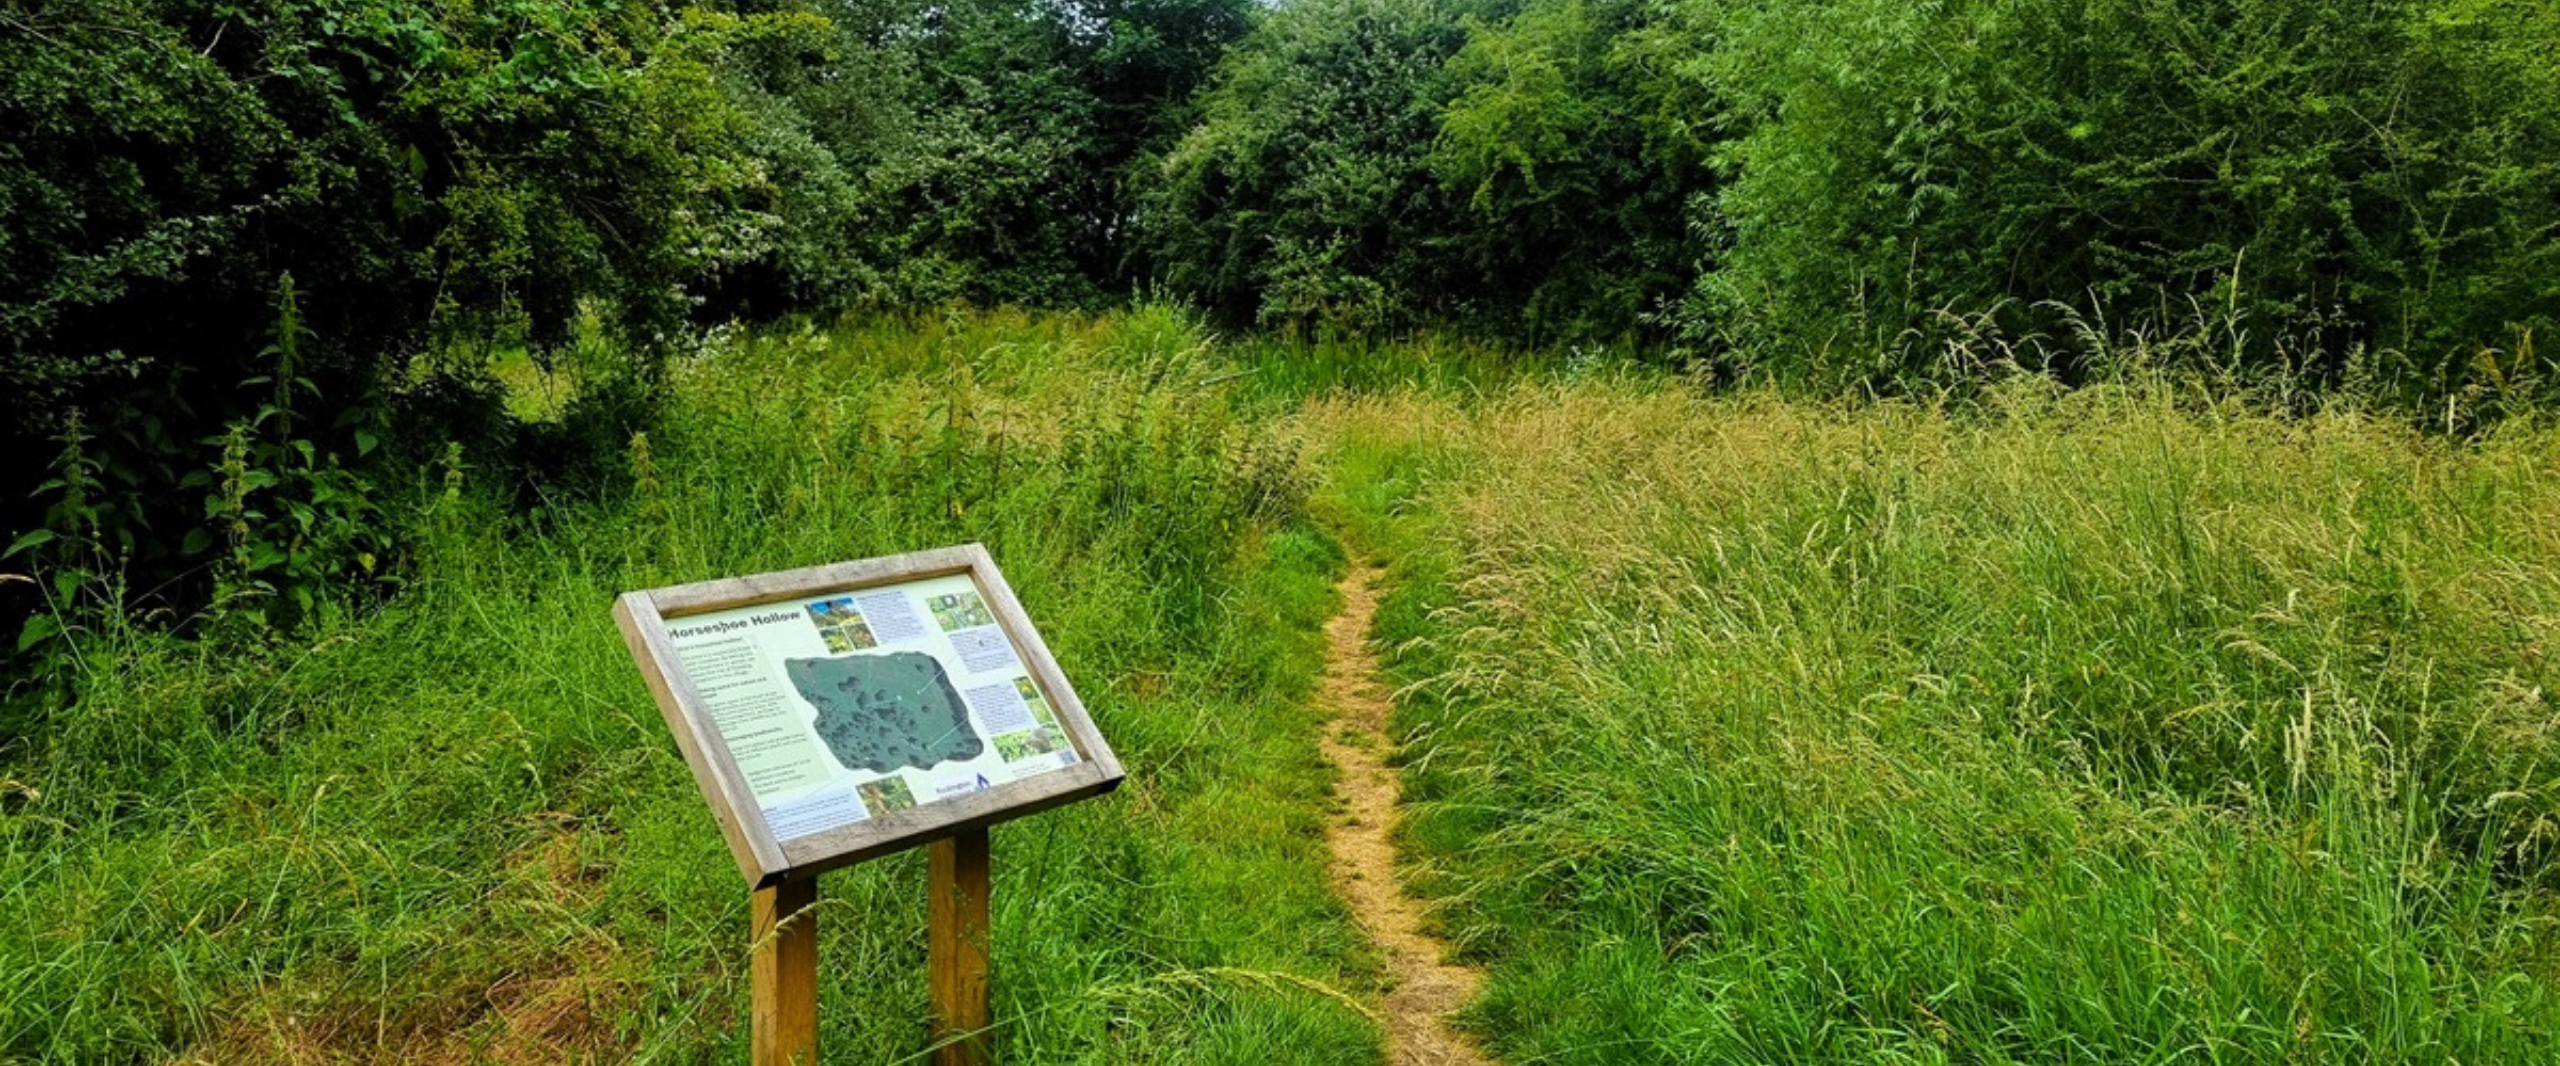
{"points": [[2116, 725], [2007, 531], [2121, 725], [451, 828]]}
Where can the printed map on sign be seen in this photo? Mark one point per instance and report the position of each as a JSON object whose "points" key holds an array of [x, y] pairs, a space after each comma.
{"points": [[886, 712], [848, 705]]}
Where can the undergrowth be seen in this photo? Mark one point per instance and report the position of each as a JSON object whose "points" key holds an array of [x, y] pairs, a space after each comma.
{"points": [[452, 828]]}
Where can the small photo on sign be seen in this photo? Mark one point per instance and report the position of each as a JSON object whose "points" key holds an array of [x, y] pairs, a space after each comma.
{"points": [[962, 610], [841, 625], [887, 794], [1018, 720], [831, 613], [1041, 740], [1031, 698]]}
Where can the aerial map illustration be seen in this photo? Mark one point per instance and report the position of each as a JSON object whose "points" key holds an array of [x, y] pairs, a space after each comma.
{"points": [[886, 712]]}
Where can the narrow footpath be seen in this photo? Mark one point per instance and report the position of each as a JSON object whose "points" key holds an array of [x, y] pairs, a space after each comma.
{"points": [[1424, 989]]}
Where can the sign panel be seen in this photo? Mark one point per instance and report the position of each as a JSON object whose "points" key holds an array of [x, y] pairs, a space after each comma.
{"points": [[834, 713]]}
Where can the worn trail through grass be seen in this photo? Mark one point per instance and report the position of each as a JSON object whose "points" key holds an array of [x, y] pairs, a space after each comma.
{"points": [[1424, 989], [2096, 726]]}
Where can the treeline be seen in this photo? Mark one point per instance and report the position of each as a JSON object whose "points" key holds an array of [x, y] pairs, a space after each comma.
{"points": [[252, 247], [260, 256], [1875, 193]]}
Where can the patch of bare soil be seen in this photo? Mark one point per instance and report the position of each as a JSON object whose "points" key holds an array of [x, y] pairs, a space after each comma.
{"points": [[1425, 988]]}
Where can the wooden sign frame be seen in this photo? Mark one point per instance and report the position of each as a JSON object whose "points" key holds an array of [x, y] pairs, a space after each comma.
{"points": [[646, 618]]}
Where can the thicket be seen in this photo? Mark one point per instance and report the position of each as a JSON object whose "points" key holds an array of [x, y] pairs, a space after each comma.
{"points": [[2358, 194], [1373, 164], [260, 257], [2351, 195], [249, 245], [976, 151]]}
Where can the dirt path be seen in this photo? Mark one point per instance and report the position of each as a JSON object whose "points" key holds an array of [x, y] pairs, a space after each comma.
{"points": [[1424, 990]]}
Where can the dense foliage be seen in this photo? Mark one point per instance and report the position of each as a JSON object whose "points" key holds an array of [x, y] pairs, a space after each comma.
{"points": [[260, 257], [2339, 180], [251, 249], [239, 235], [1383, 162], [976, 150], [2338, 194], [1302, 192]]}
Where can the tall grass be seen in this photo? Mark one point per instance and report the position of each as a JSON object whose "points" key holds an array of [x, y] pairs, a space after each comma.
{"points": [[1275, 372], [2091, 727], [453, 829], [2108, 726]]}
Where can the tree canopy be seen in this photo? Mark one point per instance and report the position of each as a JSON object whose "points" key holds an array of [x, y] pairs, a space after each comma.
{"points": [[254, 247]]}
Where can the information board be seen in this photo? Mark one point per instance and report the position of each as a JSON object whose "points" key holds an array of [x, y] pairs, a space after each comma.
{"points": [[838, 712]]}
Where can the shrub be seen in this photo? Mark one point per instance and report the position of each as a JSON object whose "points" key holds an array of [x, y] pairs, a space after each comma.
{"points": [[2335, 178]]}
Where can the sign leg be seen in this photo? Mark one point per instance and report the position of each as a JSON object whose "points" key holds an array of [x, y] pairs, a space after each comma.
{"points": [[786, 975], [957, 958]]}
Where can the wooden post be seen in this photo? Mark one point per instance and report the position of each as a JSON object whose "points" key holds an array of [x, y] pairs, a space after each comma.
{"points": [[956, 960], [786, 975]]}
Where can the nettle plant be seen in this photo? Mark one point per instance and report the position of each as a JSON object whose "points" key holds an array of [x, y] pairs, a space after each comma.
{"points": [[290, 517], [285, 516]]}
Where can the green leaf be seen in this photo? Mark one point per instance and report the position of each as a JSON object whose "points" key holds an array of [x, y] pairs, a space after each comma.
{"points": [[34, 538], [37, 630]]}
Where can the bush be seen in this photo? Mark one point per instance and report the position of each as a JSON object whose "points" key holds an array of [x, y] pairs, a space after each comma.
{"points": [[218, 210], [1301, 197], [1577, 150], [2332, 178]]}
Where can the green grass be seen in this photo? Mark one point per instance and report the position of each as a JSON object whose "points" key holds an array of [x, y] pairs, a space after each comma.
{"points": [[2096, 727], [2083, 728], [455, 826], [1273, 374]]}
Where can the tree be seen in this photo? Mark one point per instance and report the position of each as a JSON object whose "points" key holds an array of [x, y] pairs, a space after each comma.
{"points": [[2322, 179], [418, 171], [1577, 148], [1302, 194]]}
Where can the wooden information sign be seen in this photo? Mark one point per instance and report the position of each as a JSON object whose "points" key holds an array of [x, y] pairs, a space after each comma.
{"points": [[841, 712]]}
